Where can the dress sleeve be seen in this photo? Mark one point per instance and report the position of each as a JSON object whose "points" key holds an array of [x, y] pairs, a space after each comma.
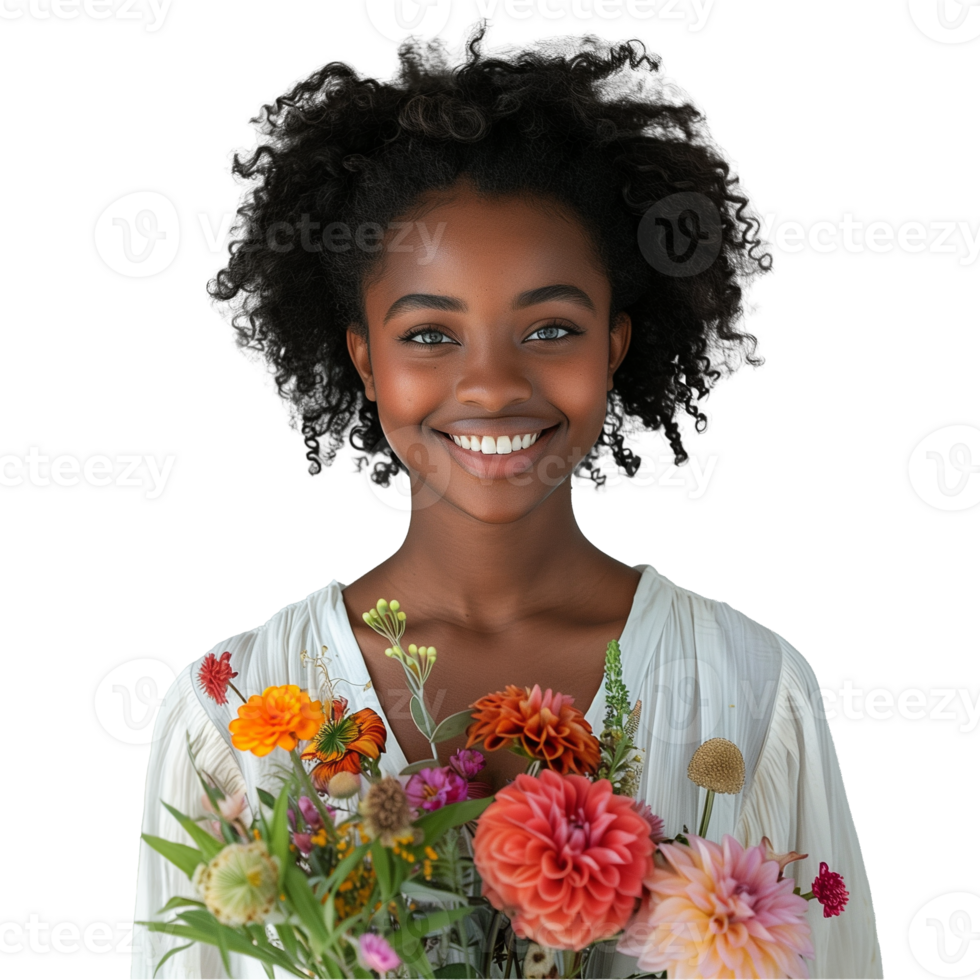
{"points": [[171, 779], [797, 800]]}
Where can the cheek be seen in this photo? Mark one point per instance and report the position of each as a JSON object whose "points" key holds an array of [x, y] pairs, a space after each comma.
{"points": [[578, 390], [406, 393]]}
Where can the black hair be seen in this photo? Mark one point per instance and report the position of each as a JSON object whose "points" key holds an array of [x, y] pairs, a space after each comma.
{"points": [[579, 121]]}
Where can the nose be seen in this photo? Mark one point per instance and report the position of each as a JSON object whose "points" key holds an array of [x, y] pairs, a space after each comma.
{"points": [[493, 377]]}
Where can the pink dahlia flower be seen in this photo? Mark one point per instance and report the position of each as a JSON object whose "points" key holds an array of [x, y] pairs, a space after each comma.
{"points": [[563, 857], [719, 910], [432, 789], [828, 889]]}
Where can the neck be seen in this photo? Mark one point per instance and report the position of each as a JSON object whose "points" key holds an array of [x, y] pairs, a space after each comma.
{"points": [[480, 574]]}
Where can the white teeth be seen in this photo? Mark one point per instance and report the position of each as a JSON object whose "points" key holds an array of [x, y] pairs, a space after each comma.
{"points": [[501, 446]]}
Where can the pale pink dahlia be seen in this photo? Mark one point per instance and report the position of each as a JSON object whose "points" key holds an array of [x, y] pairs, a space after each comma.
{"points": [[719, 910], [565, 858], [829, 891]]}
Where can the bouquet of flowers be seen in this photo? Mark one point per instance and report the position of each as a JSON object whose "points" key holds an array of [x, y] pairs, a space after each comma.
{"points": [[346, 872]]}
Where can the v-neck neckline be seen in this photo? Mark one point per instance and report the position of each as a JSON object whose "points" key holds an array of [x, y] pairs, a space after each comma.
{"points": [[343, 634]]}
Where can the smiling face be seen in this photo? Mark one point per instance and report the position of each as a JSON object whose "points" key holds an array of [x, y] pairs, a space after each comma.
{"points": [[489, 351]]}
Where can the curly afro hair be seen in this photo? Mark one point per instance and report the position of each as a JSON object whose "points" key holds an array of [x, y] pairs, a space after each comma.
{"points": [[578, 121]]}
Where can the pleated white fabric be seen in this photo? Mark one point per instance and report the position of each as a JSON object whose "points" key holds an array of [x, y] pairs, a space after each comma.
{"points": [[701, 669]]}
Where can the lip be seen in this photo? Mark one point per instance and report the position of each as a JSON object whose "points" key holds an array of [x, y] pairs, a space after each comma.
{"points": [[499, 467]]}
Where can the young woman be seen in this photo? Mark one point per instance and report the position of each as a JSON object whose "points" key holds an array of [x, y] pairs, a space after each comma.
{"points": [[482, 274]]}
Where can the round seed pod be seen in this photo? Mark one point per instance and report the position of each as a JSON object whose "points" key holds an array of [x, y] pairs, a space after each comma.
{"points": [[718, 765]]}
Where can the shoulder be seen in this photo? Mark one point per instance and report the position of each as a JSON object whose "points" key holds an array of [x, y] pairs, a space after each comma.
{"points": [[270, 652], [755, 662]]}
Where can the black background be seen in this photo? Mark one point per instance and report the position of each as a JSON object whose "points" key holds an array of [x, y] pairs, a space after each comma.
{"points": [[809, 524]]}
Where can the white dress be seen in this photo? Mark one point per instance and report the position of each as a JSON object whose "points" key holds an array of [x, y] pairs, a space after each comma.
{"points": [[702, 670]]}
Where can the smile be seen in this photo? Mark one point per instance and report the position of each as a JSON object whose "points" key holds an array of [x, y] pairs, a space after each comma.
{"points": [[499, 446]]}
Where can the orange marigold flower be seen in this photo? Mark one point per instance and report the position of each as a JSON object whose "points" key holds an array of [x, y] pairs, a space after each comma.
{"points": [[540, 726], [280, 716], [343, 740]]}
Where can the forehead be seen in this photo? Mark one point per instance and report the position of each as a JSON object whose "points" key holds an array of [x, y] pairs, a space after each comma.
{"points": [[461, 241]]}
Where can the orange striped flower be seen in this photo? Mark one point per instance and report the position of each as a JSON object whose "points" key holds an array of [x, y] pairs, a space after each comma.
{"points": [[280, 716], [539, 726], [343, 740]]}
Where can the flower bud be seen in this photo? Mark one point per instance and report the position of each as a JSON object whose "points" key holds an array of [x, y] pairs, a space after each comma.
{"points": [[393, 606], [344, 784], [401, 617], [412, 648], [382, 606]]}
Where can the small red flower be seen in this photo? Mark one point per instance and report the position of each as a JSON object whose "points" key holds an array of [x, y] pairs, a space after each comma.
{"points": [[215, 675], [828, 889]]}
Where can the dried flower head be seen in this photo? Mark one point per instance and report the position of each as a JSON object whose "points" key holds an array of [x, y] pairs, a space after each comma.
{"points": [[718, 765], [240, 883], [386, 811]]}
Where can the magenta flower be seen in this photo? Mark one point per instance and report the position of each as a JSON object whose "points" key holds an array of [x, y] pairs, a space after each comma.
{"points": [[467, 762], [375, 954], [828, 889], [432, 789]]}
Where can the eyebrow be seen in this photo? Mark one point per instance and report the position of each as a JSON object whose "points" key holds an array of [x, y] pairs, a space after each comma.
{"points": [[452, 304]]}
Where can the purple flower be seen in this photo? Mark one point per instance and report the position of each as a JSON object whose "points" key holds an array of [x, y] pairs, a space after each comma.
{"points": [[375, 953], [310, 813], [304, 842], [467, 762], [432, 789]]}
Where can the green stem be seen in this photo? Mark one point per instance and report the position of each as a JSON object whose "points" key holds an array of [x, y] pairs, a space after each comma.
{"points": [[575, 966], [709, 801], [512, 942], [306, 783], [494, 931], [808, 896]]}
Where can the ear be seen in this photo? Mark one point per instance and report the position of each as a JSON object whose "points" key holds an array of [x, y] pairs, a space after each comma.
{"points": [[619, 340], [357, 346]]}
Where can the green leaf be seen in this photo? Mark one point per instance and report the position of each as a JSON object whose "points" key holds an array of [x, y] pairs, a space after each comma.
{"points": [[407, 941], [267, 798], [279, 832], [381, 860], [180, 903], [307, 906], [452, 726], [421, 718], [415, 767], [208, 845], [186, 858], [453, 970], [288, 939], [166, 956], [415, 889], [435, 824]]}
